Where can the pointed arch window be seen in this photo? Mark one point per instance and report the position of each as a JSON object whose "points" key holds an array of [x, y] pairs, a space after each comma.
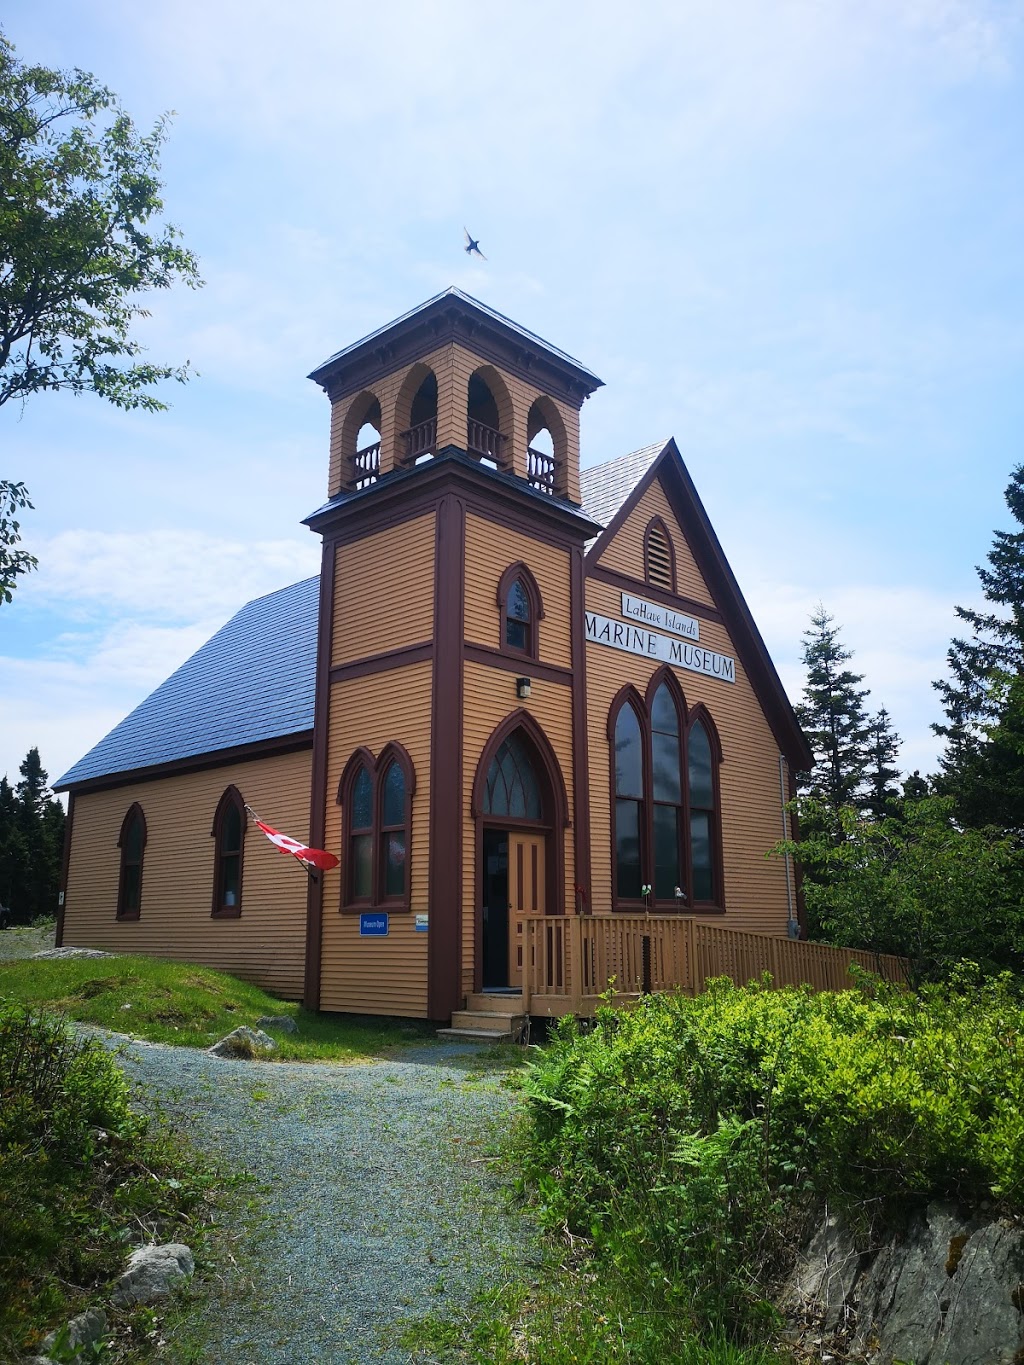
{"points": [[228, 831], [376, 800], [520, 612], [512, 787], [132, 843], [666, 830]]}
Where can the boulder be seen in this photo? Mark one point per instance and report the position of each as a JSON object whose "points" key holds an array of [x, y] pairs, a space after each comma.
{"points": [[949, 1290], [81, 1331], [152, 1273], [244, 1042], [282, 1022]]}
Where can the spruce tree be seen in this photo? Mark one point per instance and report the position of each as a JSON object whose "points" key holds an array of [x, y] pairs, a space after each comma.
{"points": [[882, 798], [833, 718], [982, 767], [32, 863]]}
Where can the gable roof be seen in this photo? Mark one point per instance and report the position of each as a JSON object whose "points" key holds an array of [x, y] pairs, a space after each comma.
{"points": [[254, 680], [611, 503]]}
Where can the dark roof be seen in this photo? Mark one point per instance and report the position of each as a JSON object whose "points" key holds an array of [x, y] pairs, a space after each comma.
{"points": [[492, 315], [605, 487], [254, 680]]}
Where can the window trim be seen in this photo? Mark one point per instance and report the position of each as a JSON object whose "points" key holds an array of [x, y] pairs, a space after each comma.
{"points": [[362, 757], [134, 812], [630, 695], [521, 572], [230, 797], [658, 524]]}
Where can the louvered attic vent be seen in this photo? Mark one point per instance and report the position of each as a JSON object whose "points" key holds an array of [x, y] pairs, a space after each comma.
{"points": [[659, 559]]}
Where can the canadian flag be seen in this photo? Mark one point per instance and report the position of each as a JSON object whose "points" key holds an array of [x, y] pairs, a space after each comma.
{"points": [[315, 857]]}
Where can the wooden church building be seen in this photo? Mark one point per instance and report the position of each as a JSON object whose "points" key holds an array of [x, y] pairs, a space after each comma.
{"points": [[525, 705]]}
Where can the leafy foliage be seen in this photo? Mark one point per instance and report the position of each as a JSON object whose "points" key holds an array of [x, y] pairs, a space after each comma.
{"points": [[78, 188], [79, 1170], [684, 1141], [916, 884], [13, 562], [31, 844], [982, 766]]}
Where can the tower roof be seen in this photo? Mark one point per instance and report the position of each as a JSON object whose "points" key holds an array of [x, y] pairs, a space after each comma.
{"points": [[450, 315]]}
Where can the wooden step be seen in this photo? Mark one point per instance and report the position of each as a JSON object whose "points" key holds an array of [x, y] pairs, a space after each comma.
{"points": [[476, 1035], [499, 1001], [486, 1019]]}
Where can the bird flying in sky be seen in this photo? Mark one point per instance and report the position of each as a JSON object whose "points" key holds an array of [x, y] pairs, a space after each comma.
{"points": [[472, 248]]}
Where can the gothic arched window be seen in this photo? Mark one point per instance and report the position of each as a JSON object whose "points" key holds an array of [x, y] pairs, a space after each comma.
{"points": [[666, 820], [229, 832], [132, 843]]}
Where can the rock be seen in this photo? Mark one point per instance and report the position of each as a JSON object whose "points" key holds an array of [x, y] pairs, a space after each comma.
{"points": [[152, 1273], [282, 1022], [71, 952], [947, 1291], [82, 1331], [243, 1042]]}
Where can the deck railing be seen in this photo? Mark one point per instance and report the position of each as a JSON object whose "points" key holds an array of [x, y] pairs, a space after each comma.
{"points": [[366, 466], [485, 443], [571, 961], [540, 469], [419, 440]]}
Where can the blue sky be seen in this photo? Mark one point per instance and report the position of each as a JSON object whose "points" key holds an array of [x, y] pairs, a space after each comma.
{"points": [[788, 234]]}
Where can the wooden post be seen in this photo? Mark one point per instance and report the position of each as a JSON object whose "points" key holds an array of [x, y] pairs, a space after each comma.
{"points": [[575, 963], [693, 985]]}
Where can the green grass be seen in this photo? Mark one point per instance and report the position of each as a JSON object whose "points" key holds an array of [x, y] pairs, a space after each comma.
{"points": [[189, 1006]]}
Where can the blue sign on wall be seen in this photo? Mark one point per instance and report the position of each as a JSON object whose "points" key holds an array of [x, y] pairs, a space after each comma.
{"points": [[373, 926]]}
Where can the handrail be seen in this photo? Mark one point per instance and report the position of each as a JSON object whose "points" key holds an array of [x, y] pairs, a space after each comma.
{"points": [[570, 961], [365, 466], [420, 439], [540, 469], [485, 442]]}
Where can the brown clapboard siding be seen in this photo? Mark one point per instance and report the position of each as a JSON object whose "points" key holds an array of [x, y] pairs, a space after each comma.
{"points": [[489, 697], [490, 549], [388, 975], [625, 552], [266, 943], [751, 814], [384, 593]]}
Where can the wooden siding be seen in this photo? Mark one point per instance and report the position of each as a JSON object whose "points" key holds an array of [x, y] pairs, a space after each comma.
{"points": [[625, 552], [490, 549], [378, 975], [489, 697], [755, 886], [266, 943], [384, 591]]}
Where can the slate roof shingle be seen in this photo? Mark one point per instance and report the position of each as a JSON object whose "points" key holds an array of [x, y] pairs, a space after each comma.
{"points": [[605, 487], [254, 680]]}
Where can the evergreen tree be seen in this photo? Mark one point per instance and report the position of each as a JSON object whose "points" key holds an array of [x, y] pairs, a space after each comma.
{"points": [[883, 797], [833, 718], [982, 767], [916, 787], [31, 844]]}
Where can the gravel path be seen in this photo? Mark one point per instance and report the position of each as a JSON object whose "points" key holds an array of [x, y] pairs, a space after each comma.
{"points": [[377, 1203]]}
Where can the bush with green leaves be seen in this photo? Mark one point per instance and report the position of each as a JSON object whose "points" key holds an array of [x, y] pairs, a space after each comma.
{"points": [[79, 1171], [918, 885], [688, 1140]]}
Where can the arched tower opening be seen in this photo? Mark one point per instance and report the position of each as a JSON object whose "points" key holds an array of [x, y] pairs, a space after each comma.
{"points": [[547, 447], [489, 419], [416, 416], [360, 439]]}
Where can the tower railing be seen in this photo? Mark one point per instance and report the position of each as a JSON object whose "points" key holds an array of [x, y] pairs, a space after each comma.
{"points": [[486, 443], [420, 440], [366, 466], [540, 469]]}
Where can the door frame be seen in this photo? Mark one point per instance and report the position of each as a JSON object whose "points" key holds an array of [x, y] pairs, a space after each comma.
{"points": [[555, 805]]}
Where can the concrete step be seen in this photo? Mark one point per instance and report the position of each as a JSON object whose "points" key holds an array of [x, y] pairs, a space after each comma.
{"points": [[476, 1035], [486, 1019], [501, 1003]]}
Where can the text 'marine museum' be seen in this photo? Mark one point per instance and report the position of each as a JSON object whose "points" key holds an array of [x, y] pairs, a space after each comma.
{"points": [[519, 698]]}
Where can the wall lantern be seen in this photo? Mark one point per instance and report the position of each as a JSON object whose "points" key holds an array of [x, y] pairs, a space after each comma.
{"points": [[523, 688]]}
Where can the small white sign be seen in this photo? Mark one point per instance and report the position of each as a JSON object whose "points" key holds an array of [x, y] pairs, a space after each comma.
{"points": [[664, 618], [602, 630], [422, 923]]}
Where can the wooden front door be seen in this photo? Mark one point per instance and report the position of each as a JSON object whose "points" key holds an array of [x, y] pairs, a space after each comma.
{"points": [[526, 883]]}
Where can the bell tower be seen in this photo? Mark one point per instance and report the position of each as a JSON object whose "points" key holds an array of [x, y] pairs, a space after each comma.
{"points": [[453, 504]]}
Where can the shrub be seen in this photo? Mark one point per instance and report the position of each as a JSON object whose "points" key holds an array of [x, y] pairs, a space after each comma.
{"points": [[688, 1139]]}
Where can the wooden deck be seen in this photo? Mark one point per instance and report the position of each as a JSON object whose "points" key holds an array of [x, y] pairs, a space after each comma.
{"points": [[571, 962]]}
